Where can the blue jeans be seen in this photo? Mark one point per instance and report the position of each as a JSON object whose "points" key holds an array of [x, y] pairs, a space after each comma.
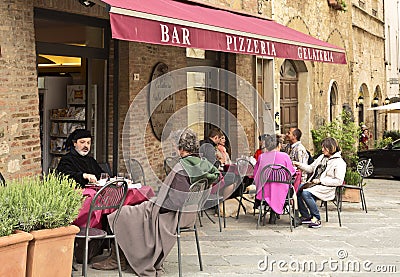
{"points": [[307, 204]]}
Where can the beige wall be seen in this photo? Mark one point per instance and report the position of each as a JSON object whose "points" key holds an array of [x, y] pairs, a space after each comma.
{"points": [[359, 32]]}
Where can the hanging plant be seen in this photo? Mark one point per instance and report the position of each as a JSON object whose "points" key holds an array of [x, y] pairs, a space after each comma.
{"points": [[338, 4]]}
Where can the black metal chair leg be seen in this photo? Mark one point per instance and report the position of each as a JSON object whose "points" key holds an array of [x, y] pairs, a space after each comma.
{"points": [[240, 204], [198, 248], [178, 239], [198, 216]]}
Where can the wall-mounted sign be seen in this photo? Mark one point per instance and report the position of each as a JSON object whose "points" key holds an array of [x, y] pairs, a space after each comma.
{"points": [[161, 100]]}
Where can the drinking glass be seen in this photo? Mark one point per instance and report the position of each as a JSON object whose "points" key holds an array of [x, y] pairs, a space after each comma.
{"points": [[128, 176], [104, 176]]}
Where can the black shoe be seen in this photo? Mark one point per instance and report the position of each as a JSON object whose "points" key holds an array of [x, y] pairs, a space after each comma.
{"points": [[272, 218]]}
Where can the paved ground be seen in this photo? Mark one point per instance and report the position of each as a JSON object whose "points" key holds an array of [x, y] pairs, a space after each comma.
{"points": [[367, 243]]}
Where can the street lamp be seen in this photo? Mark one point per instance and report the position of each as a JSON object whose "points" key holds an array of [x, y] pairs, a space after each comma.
{"points": [[360, 101], [387, 101], [375, 101]]}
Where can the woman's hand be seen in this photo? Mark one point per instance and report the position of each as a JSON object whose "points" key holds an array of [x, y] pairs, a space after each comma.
{"points": [[316, 181], [295, 163]]}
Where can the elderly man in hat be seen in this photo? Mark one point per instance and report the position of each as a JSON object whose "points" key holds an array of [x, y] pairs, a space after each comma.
{"points": [[77, 163]]}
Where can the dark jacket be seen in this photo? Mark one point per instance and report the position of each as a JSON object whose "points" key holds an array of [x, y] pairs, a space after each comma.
{"points": [[208, 151], [74, 165]]}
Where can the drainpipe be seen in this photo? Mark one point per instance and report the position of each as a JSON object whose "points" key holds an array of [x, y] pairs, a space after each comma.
{"points": [[115, 135]]}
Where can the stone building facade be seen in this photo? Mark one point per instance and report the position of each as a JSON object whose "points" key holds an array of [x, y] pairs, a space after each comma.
{"points": [[298, 93]]}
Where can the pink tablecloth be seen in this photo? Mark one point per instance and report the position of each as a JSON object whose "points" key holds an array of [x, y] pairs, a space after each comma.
{"points": [[134, 196]]}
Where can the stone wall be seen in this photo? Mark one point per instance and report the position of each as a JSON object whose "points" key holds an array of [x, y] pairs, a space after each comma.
{"points": [[19, 114]]}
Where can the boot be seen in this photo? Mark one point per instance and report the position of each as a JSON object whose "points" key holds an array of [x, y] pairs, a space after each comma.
{"points": [[111, 262], [296, 219]]}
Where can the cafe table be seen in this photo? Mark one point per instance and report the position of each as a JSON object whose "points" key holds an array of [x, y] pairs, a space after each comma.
{"points": [[135, 195]]}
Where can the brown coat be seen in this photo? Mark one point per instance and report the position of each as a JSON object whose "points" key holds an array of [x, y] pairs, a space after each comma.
{"points": [[146, 236]]}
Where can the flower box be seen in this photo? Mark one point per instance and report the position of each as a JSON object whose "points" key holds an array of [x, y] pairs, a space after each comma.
{"points": [[13, 253], [50, 253]]}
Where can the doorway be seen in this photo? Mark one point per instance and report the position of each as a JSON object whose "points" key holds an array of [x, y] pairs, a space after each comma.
{"points": [[288, 96], [72, 52]]}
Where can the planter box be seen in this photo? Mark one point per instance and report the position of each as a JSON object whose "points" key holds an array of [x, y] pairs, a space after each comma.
{"points": [[51, 251], [351, 195], [335, 4], [13, 252]]}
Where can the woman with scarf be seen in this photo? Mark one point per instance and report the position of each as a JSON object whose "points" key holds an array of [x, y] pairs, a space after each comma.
{"points": [[328, 172], [146, 233]]}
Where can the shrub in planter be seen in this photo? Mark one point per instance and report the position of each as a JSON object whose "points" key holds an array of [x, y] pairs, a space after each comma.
{"points": [[44, 203], [345, 131], [46, 207], [13, 245]]}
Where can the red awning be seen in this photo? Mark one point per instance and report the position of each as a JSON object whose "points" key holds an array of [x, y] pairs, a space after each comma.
{"points": [[169, 22]]}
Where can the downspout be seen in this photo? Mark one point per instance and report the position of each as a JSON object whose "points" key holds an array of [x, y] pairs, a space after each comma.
{"points": [[115, 107]]}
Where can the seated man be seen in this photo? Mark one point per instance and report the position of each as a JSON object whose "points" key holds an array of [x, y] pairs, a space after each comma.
{"points": [[77, 163], [146, 233]]}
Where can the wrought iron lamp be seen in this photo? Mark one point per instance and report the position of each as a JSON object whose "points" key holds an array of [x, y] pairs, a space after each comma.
{"points": [[375, 101], [360, 101], [387, 101]]}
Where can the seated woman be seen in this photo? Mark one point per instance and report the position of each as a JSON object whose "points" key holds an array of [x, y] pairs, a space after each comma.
{"points": [[275, 194], [146, 233], [328, 172], [222, 153]]}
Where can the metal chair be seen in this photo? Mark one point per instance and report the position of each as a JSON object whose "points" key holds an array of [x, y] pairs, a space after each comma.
{"points": [[336, 201], [245, 170], [214, 200], [275, 173], [136, 171], [363, 171], [169, 163], [2, 180], [110, 196], [198, 194]]}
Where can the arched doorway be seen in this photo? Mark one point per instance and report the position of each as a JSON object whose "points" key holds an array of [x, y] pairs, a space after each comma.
{"points": [[362, 99], [288, 96], [333, 101]]}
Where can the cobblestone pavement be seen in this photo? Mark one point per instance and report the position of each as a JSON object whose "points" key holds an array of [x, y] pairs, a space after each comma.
{"points": [[367, 243]]}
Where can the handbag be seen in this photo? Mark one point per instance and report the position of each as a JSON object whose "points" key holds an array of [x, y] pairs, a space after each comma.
{"points": [[306, 186]]}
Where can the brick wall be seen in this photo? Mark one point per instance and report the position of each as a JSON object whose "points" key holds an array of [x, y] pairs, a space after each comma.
{"points": [[19, 118]]}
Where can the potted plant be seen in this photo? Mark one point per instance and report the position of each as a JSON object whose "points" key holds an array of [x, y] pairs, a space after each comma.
{"points": [[13, 244], [338, 4], [352, 178], [45, 207]]}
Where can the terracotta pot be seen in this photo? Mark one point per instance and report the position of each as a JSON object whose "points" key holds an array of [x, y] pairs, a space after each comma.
{"points": [[51, 251], [13, 251], [351, 195]]}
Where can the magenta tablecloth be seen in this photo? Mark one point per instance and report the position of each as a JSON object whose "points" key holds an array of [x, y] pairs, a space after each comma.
{"points": [[134, 196]]}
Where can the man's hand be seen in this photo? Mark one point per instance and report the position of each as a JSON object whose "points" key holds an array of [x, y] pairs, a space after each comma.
{"points": [[90, 177], [316, 181]]}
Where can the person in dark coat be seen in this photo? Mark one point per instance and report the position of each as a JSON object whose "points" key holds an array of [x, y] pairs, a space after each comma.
{"points": [[208, 147], [77, 163]]}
